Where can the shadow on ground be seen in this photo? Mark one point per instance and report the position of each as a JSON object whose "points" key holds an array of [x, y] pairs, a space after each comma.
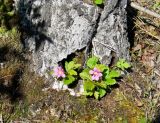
{"points": [[131, 14], [27, 13], [13, 90], [157, 119]]}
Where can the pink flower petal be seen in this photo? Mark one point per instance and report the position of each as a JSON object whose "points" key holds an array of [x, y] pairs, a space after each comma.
{"points": [[96, 74], [91, 71], [63, 75], [100, 74], [93, 77], [59, 72], [96, 78]]}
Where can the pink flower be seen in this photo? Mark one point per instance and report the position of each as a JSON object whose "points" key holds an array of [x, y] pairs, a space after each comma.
{"points": [[59, 72], [96, 74]]}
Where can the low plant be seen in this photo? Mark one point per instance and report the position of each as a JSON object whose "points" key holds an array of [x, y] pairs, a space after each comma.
{"points": [[69, 75], [97, 78], [122, 64], [98, 2]]}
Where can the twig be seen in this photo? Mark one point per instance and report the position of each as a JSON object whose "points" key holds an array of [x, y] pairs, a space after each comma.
{"points": [[140, 8], [109, 47], [149, 33]]}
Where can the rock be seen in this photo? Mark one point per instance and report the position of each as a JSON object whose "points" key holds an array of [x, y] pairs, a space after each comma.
{"points": [[112, 34], [54, 29]]}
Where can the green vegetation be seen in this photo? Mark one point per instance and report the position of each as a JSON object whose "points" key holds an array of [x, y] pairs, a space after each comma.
{"points": [[97, 85], [6, 13], [98, 2], [71, 74], [97, 78], [122, 64]]}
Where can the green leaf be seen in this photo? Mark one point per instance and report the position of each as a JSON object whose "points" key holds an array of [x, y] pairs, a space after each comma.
{"points": [[71, 66], [92, 62], [77, 66], [66, 66], [102, 92], [72, 72], [113, 74], [122, 64], [88, 93], [106, 72], [88, 86], [110, 81], [98, 2], [101, 84], [68, 80], [96, 95], [101, 67], [85, 74], [126, 65]]}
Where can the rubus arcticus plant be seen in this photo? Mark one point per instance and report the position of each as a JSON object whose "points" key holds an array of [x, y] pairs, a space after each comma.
{"points": [[69, 75], [97, 78]]}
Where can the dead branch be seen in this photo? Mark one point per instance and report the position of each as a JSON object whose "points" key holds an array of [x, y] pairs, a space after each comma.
{"points": [[140, 8]]}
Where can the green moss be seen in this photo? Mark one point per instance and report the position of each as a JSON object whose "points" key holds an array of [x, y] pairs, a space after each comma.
{"points": [[127, 111]]}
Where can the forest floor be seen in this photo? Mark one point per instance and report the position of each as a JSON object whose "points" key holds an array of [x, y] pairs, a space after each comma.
{"points": [[136, 99]]}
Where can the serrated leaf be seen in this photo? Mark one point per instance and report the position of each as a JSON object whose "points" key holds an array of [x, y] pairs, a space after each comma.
{"points": [[102, 92], [88, 93], [92, 62], [85, 74], [110, 81], [101, 67], [96, 95], [68, 80], [98, 2], [72, 72], [113, 74], [88, 86]]}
